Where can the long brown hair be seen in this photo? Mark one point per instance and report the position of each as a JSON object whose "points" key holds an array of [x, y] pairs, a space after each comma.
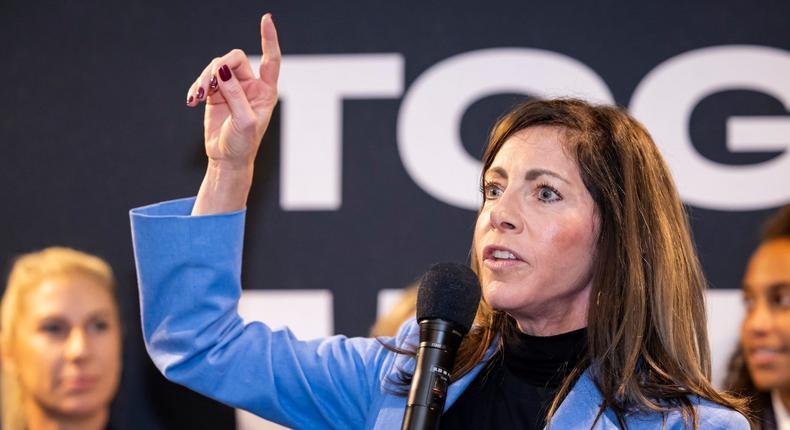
{"points": [[647, 336]]}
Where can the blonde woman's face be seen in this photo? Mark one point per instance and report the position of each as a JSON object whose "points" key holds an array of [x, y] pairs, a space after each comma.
{"points": [[67, 350], [765, 332], [536, 234]]}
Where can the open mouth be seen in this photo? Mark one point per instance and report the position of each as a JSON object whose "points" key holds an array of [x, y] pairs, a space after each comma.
{"points": [[498, 253], [503, 255]]}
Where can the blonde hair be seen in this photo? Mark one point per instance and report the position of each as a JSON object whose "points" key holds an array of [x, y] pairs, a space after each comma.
{"points": [[27, 273], [404, 310]]}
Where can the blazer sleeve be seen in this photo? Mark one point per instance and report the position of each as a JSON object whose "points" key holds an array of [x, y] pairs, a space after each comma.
{"points": [[188, 272]]}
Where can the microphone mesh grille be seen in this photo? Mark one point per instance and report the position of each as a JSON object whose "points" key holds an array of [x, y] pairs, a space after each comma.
{"points": [[449, 291]]}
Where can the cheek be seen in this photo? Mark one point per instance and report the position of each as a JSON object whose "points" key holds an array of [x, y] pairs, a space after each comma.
{"points": [[746, 332], [108, 352], [111, 370], [481, 225], [37, 361], [567, 256], [783, 326], [564, 240]]}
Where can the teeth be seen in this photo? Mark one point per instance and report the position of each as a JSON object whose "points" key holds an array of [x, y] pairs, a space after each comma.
{"points": [[503, 255]]}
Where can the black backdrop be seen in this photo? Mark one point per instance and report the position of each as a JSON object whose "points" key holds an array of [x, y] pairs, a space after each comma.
{"points": [[94, 123]]}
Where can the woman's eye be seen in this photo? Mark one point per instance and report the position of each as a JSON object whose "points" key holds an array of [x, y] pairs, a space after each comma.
{"points": [[491, 191], [548, 194], [782, 299], [98, 326], [54, 328]]}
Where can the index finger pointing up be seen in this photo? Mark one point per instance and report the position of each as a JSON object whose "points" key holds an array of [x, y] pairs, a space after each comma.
{"points": [[270, 64]]}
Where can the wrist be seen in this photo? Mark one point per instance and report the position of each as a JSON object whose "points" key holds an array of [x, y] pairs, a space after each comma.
{"points": [[229, 168], [225, 178], [224, 189]]}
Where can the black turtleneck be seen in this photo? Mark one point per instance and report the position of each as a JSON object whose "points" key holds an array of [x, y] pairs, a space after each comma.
{"points": [[517, 386]]}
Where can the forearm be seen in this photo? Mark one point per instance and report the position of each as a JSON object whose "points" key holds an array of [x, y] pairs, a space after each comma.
{"points": [[189, 271], [224, 189]]}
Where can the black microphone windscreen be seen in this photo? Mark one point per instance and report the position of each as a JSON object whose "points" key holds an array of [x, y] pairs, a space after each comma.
{"points": [[451, 292]]}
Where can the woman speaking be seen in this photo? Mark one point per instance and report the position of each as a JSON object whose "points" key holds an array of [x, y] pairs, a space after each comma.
{"points": [[592, 313]]}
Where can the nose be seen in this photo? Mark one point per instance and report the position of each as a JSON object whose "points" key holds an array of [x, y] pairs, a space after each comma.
{"points": [[505, 215], [76, 345]]}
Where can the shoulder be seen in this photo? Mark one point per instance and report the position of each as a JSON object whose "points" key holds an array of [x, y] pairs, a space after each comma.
{"points": [[406, 340], [582, 404], [715, 416], [711, 416]]}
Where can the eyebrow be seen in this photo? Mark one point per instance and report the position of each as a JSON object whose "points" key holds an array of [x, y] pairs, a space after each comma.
{"points": [[531, 175], [98, 313], [773, 288], [780, 286]]}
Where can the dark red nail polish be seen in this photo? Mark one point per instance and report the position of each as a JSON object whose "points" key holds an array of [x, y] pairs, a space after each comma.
{"points": [[224, 73], [213, 84], [189, 100], [201, 93]]}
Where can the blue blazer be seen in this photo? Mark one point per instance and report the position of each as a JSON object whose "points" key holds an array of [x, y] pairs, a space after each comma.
{"points": [[189, 271]]}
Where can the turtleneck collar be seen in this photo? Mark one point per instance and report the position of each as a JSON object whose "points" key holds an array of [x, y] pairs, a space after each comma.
{"points": [[543, 360]]}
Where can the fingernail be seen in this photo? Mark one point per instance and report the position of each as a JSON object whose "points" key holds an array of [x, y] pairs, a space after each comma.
{"points": [[189, 100], [213, 84], [201, 93], [224, 73]]}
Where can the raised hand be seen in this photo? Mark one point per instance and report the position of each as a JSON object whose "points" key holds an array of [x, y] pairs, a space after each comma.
{"points": [[238, 110]]}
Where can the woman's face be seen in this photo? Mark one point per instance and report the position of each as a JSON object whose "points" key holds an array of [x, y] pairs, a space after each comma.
{"points": [[536, 234], [67, 349], [765, 331]]}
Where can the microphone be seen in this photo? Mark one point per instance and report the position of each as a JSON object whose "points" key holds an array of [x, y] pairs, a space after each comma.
{"points": [[447, 301]]}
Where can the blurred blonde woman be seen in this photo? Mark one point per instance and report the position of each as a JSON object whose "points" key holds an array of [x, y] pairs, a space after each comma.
{"points": [[60, 337]]}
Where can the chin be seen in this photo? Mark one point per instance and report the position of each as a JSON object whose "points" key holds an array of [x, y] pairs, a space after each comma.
{"points": [[84, 406], [501, 297], [769, 382]]}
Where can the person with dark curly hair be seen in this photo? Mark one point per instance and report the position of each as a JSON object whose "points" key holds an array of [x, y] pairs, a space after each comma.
{"points": [[760, 369]]}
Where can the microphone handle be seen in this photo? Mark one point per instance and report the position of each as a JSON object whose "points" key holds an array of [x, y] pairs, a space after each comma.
{"points": [[439, 341]]}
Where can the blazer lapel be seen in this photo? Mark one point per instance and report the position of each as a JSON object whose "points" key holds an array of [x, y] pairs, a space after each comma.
{"points": [[456, 388], [581, 406]]}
